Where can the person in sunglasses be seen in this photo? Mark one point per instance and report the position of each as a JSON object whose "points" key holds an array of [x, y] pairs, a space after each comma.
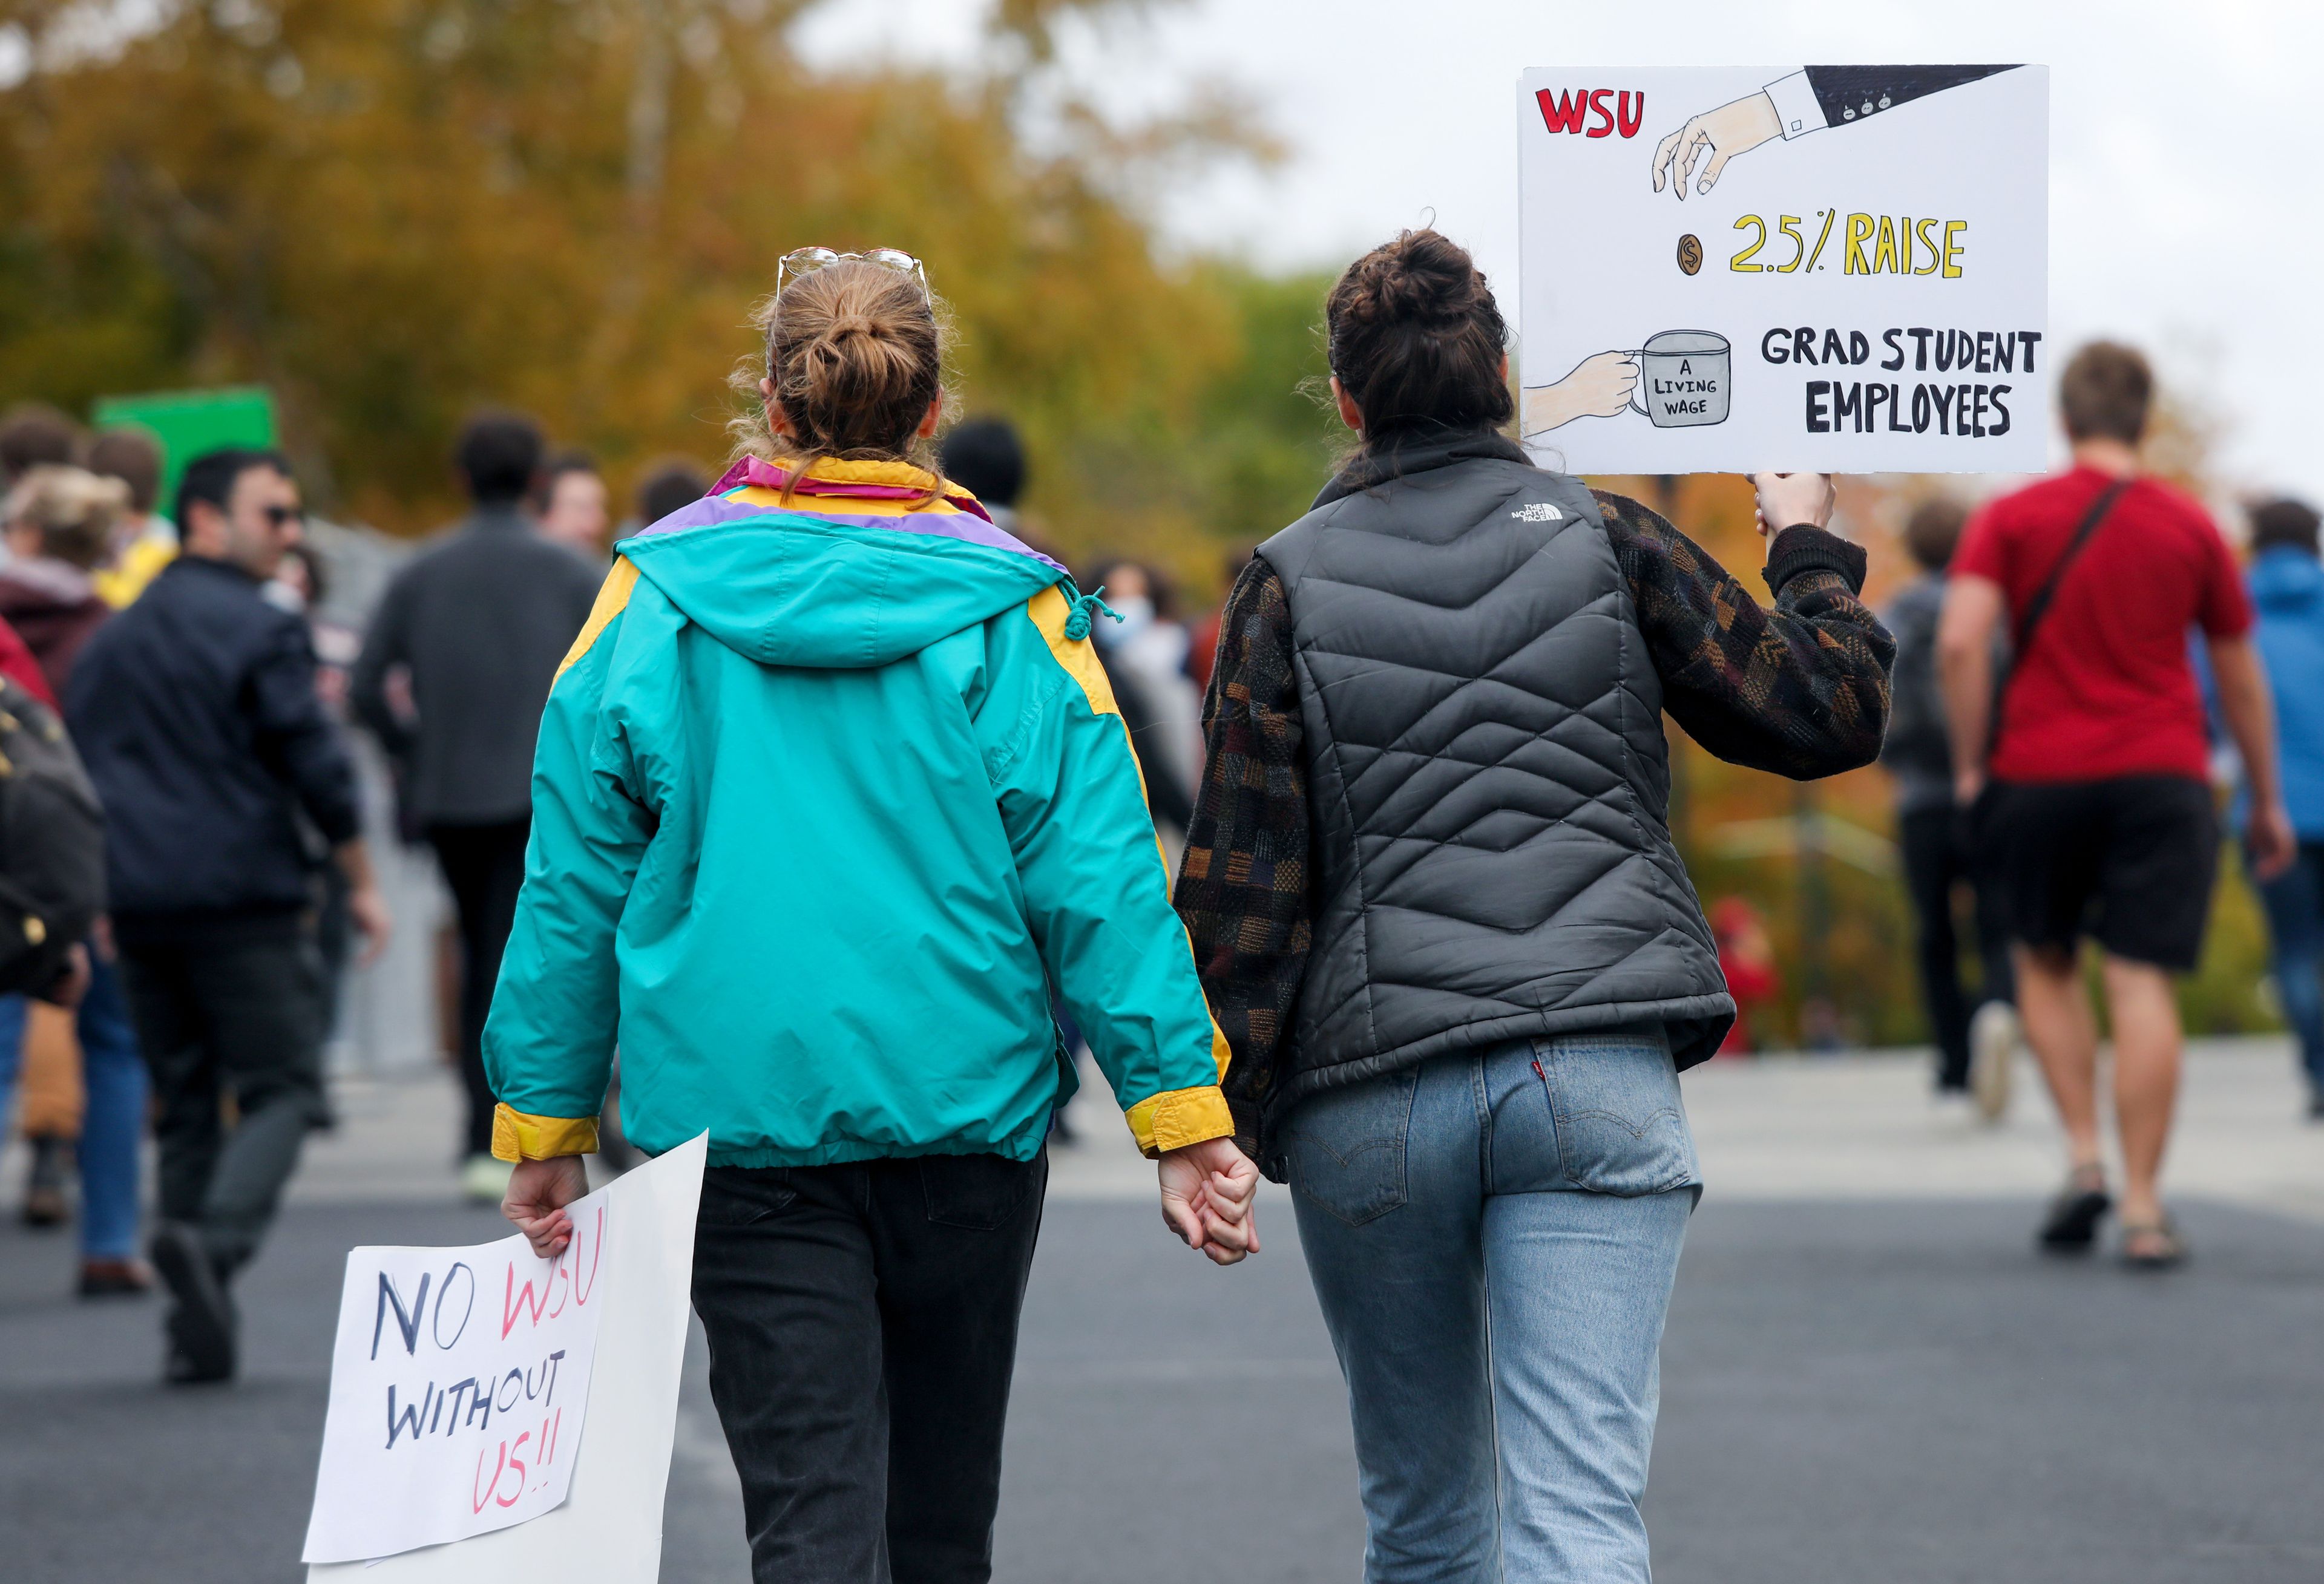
{"points": [[196, 714], [830, 792]]}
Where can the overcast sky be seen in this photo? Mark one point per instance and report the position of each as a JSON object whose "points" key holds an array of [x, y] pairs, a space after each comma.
{"points": [[2186, 209]]}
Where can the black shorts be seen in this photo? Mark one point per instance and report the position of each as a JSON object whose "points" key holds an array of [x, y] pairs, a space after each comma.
{"points": [[2128, 861]]}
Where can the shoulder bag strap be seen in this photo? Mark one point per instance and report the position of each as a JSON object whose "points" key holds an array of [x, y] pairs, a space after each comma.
{"points": [[2039, 605]]}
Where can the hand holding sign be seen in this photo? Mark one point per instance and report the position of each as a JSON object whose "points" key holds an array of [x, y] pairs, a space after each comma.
{"points": [[462, 1378], [538, 1193]]}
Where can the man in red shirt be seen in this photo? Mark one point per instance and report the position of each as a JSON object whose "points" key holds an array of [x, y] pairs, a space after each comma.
{"points": [[2092, 803]]}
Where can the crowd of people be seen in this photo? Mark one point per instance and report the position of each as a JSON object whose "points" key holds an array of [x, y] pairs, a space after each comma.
{"points": [[816, 809]]}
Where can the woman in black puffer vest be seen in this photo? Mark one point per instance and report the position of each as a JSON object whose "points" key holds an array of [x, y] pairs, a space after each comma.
{"points": [[1435, 903]]}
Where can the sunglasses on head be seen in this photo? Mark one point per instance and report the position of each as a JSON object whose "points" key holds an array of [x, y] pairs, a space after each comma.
{"points": [[807, 261]]}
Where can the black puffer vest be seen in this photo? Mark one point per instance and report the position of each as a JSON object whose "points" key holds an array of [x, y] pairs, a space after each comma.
{"points": [[1488, 780]]}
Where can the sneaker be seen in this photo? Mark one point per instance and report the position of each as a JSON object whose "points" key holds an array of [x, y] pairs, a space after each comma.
{"points": [[116, 1278], [201, 1324], [485, 1180], [44, 1185], [1993, 1037]]}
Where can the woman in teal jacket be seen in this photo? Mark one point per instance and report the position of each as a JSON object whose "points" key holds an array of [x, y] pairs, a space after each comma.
{"points": [[829, 793]]}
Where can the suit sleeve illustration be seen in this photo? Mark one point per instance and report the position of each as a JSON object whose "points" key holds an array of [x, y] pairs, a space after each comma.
{"points": [[1809, 100]]}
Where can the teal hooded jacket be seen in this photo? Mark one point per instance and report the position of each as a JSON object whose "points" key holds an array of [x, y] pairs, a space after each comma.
{"points": [[829, 794]]}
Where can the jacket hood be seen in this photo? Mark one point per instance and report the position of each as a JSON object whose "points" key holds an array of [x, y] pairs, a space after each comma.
{"points": [[846, 577], [2286, 578]]}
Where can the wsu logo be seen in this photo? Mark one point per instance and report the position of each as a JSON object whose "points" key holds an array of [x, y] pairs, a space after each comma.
{"points": [[1565, 112]]}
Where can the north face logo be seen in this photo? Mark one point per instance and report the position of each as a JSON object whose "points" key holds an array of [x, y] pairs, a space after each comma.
{"points": [[1539, 512]]}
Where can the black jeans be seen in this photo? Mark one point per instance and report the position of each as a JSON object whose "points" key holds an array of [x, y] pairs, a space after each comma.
{"points": [[483, 866], [241, 1014], [1937, 859], [862, 1324]]}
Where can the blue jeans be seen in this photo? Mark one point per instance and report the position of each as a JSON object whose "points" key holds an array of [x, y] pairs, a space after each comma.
{"points": [[1493, 1236], [2295, 927], [114, 1123]]}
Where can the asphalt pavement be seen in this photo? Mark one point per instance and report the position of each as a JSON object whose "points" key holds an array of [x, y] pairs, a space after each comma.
{"points": [[1858, 1387]]}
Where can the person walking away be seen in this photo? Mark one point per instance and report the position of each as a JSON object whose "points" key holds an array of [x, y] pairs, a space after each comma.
{"points": [[829, 792], [2287, 587], [478, 623], [143, 541], [2090, 796], [1144, 649], [59, 523], [1975, 1048], [32, 434], [569, 506], [1435, 899], [195, 711], [670, 485]]}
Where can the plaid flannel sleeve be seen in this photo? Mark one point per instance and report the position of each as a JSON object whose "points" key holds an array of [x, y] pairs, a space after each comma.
{"points": [[1243, 886], [1799, 686]]}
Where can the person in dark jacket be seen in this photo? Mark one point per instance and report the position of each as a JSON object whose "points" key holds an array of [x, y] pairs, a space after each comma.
{"points": [[195, 711], [479, 622], [1977, 1038], [59, 523], [2287, 588], [1434, 901]]}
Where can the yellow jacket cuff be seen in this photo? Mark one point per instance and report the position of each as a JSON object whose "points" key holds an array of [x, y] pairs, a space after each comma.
{"points": [[1178, 1118], [518, 1138]]}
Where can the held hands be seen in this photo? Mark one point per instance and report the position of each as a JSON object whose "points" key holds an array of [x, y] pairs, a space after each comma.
{"points": [[1734, 128], [1208, 1191], [538, 1193]]}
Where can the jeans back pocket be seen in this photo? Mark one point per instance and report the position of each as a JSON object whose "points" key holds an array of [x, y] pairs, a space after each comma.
{"points": [[1346, 1146], [980, 1193], [1614, 1099]]}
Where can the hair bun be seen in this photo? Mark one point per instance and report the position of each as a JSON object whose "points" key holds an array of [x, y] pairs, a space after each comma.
{"points": [[847, 325]]}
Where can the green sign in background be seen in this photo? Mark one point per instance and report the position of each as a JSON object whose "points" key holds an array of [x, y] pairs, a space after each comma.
{"points": [[188, 423]]}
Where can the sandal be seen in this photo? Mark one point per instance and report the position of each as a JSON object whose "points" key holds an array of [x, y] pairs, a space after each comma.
{"points": [[2072, 1226], [2153, 1244]]}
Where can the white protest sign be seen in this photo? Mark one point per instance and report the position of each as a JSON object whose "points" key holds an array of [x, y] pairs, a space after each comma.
{"points": [[1833, 268], [465, 1422]]}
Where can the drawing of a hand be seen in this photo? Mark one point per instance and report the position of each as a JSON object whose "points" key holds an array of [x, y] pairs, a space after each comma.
{"points": [[1732, 129], [1599, 387]]}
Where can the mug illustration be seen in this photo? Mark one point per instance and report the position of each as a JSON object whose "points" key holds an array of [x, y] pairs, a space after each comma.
{"points": [[1680, 379], [1685, 376]]}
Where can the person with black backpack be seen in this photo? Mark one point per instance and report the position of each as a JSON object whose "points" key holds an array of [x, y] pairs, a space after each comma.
{"points": [[2090, 790], [1976, 1037]]}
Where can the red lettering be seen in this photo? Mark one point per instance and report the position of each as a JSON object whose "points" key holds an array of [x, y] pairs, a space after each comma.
{"points": [[558, 1274], [495, 1484], [1631, 121], [514, 1303], [596, 1251], [1605, 117], [1563, 113], [516, 1466]]}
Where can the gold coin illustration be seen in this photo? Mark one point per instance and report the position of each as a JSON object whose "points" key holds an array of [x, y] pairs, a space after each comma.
{"points": [[1690, 254]]}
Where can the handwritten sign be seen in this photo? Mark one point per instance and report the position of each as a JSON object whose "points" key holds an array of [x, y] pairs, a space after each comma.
{"points": [[462, 1380], [1837, 268]]}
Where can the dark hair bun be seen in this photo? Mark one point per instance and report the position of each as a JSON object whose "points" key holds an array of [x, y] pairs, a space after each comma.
{"points": [[1417, 340]]}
